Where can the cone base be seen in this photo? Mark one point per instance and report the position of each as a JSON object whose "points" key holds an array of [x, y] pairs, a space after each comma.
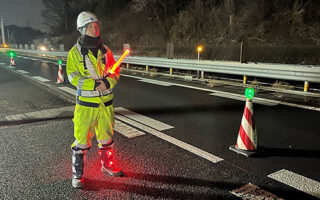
{"points": [[242, 152]]}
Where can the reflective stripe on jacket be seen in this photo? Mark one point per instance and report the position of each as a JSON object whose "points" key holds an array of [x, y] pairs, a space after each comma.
{"points": [[84, 81]]}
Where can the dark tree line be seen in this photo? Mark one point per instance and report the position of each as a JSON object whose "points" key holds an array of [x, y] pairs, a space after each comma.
{"points": [[217, 22]]}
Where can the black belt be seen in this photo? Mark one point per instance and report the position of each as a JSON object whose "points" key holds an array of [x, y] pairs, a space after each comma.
{"points": [[94, 105]]}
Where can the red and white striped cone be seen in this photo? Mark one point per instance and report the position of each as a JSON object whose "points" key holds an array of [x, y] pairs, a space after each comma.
{"points": [[12, 63], [60, 78], [247, 137]]}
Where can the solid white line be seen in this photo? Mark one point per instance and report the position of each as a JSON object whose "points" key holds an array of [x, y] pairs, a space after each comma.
{"points": [[2, 63], [39, 78], [251, 191], [160, 126], [22, 71], [42, 114], [297, 181], [11, 67], [126, 130], [172, 140], [130, 76], [69, 90], [265, 102], [155, 82]]}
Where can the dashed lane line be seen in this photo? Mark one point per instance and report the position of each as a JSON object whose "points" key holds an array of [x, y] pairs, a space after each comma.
{"points": [[11, 67], [226, 95], [39, 78], [22, 71], [251, 191], [297, 181], [160, 126], [171, 140], [42, 114], [69, 90], [126, 130]]}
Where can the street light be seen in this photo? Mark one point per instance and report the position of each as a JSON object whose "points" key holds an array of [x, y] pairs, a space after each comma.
{"points": [[43, 48], [199, 50]]}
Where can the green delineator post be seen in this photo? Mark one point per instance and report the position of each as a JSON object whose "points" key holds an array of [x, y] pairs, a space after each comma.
{"points": [[59, 62]]}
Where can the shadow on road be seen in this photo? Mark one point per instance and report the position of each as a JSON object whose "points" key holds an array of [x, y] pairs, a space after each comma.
{"points": [[160, 190], [278, 152], [173, 187]]}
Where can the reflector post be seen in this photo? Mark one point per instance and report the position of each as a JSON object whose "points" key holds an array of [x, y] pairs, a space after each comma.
{"points": [[249, 93]]}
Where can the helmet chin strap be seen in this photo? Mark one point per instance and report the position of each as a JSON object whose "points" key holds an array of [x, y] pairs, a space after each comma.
{"points": [[83, 29]]}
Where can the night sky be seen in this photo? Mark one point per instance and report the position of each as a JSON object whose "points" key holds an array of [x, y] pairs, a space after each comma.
{"points": [[23, 13]]}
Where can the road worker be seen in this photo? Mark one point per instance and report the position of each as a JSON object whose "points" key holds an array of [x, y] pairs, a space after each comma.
{"points": [[87, 69]]}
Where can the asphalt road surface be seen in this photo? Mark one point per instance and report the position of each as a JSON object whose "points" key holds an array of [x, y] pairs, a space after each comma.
{"points": [[171, 140]]}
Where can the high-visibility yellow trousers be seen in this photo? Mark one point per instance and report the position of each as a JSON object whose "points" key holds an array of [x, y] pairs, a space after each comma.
{"points": [[90, 120]]}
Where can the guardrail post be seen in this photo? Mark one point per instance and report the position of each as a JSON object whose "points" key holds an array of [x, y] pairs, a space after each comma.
{"points": [[61, 47], [170, 71], [306, 86], [244, 52], [32, 47], [202, 74], [147, 68], [127, 65], [25, 46], [244, 79], [20, 46], [170, 49], [126, 46]]}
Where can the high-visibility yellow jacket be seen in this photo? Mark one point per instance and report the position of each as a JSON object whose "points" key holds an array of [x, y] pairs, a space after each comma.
{"points": [[85, 81]]}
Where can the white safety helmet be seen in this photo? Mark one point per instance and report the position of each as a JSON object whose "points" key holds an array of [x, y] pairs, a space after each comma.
{"points": [[85, 18]]}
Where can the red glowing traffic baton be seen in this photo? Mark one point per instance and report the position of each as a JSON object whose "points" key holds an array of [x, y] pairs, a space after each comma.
{"points": [[116, 65]]}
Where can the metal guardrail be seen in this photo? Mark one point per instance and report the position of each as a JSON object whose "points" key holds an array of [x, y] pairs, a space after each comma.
{"points": [[274, 71]]}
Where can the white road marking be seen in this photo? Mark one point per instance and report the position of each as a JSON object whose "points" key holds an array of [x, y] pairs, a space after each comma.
{"points": [[126, 75], [69, 90], [160, 126], [297, 181], [46, 61], [2, 63], [22, 71], [251, 191], [126, 130], [267, 101], [162, 83], [39, 78], [243, 98], [11, 67], [42, 114], [172, 140]]}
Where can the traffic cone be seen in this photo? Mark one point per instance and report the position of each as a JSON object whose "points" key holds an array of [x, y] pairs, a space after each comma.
{"points": [[247, 137], [12, 63], [60, 78]]}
